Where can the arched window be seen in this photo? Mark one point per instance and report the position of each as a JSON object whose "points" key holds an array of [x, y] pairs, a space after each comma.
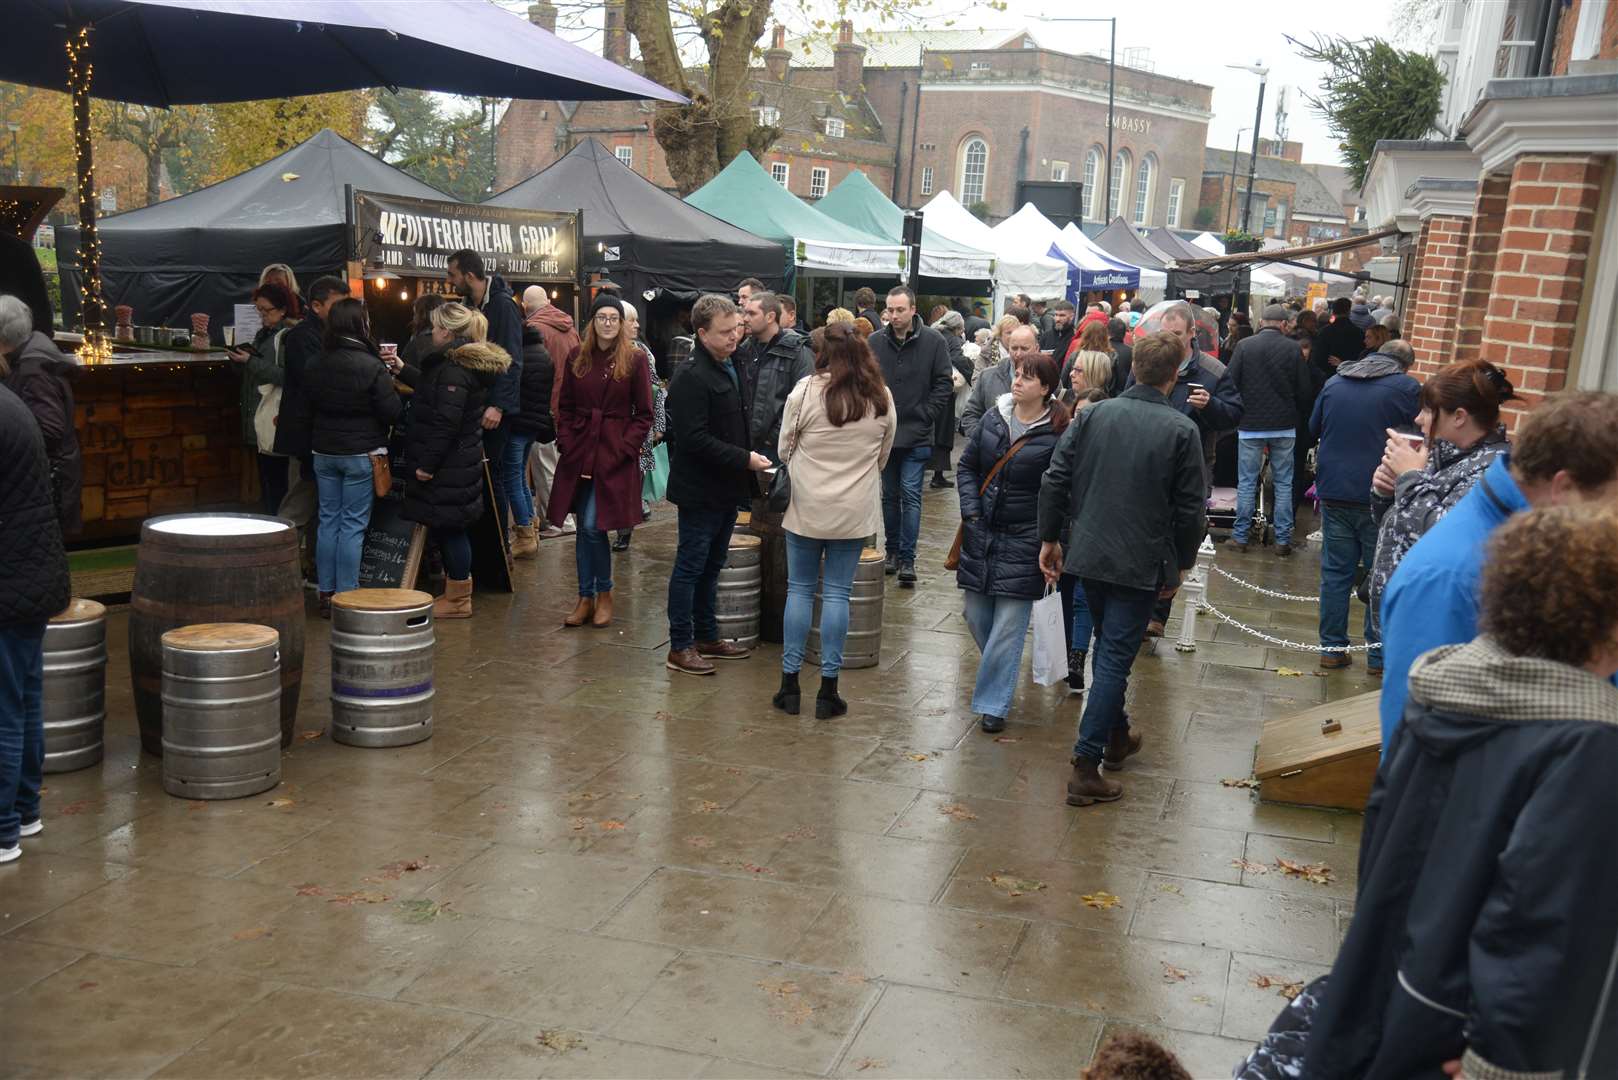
{"points": [[1120, 181], [974, 170], [1144, 177], [1092, 179]]}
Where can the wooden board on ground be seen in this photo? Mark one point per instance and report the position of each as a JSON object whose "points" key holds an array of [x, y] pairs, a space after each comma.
{"points": [[393, 547], [1299, 762]]}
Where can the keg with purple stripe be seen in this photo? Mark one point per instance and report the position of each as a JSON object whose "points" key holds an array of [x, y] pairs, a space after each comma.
{"points": [[381, 667]]}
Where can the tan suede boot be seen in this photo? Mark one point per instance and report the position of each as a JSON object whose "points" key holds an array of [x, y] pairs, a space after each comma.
{"points": [[524, 544], [603, 615], [456, 603], [581, 612]]}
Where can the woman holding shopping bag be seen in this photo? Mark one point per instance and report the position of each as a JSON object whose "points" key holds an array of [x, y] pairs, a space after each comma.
{"points": [[998, 480], [836, 432]]}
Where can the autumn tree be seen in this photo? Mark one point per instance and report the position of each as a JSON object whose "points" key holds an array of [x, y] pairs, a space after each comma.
{"points": [[248, 133], [1372, 91], [450, 147], [154, 133]]}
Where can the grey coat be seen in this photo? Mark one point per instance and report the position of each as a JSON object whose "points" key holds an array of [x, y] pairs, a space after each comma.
{"points": [[987, 388]]}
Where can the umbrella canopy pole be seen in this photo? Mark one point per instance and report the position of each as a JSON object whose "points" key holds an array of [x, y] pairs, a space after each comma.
{"points": [[79, 72]]}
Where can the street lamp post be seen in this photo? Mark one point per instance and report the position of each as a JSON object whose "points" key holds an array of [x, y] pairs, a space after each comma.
{"points": [[1258, 121], [1235, 156], [1112, 86]]}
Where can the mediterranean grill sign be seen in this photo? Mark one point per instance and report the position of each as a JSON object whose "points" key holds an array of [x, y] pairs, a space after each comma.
{"points": [[415, 237]]}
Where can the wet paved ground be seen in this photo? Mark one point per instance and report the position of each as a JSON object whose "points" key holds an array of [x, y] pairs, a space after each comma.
{"points": [[597, 867]]}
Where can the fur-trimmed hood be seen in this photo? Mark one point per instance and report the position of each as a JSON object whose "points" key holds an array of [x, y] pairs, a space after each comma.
{"points": [[481, 358]]}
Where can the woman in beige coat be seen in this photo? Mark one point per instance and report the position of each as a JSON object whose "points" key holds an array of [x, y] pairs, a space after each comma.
{"points": [[835, 436]]}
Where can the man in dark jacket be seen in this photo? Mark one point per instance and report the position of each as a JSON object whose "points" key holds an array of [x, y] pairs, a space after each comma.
{"points": [[865, 307], [37, 371], [1268, 372], [1341, 339], [711, 472], [533, 424], [1123, 355], [975, 321], [1125, 493], [915, 363], [33, 587], [301, 349], [1057, 339], [771, 361], [993, 382], [555, 326], [1351, 419], [491, 295]]}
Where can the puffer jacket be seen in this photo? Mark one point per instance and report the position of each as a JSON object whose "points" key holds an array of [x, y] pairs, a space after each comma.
{"points": [[351, 399], [1484, 925], [446, 435], [1420, 497], [538, 376], [33, 563], [768, 374], [1000, 528], [42, 376]]}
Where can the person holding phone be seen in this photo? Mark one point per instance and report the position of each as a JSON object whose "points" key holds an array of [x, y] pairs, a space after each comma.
{"points": [[263, 364]]}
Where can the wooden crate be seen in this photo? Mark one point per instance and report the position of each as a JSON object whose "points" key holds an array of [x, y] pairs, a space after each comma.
{"points": [[1298, 763]]}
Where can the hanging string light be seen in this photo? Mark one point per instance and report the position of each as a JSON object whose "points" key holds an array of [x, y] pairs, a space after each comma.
{"points": [[80, 73]]}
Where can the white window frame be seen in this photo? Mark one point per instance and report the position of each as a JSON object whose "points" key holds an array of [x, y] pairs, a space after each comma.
{"points": [[982, 194], [780, 172], [1176, 202], [1092, 181], [835, 127], [926, 179], [1059, 171], [625, 154], [1120, 181], [767, 116], [819, 181], [1145, 179]]}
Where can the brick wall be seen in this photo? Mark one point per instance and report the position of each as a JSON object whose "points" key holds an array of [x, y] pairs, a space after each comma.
{"points": [[1538, 281], [1438, 272], [1482, 245]]}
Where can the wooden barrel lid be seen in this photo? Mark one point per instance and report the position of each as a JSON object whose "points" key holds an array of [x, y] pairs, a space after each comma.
{"points": [[79, 610], [221, 637], [381, 599], [744, 540]]}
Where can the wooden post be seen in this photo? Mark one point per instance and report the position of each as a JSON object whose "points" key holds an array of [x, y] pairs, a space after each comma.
{"points": [[79, 71]]}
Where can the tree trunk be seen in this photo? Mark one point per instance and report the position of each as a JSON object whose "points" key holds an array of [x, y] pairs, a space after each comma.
{"points": [[154, 171]]}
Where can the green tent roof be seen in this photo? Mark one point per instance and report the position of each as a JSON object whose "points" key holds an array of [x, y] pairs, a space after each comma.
{"points": [[744, 195], [856, 201]]}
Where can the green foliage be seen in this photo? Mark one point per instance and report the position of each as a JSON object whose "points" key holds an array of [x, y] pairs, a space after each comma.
{"points": [[1372, 91], [450, 148], [1204, 217], [979, 210]]}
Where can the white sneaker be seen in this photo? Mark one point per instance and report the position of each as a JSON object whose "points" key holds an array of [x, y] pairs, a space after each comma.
{"points": [[10, 854], [569, 525], [549, 532], [32, 828]]}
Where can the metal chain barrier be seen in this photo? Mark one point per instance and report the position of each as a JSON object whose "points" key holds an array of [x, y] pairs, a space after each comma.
{"points": [[1226, 574], [1281, 643]]}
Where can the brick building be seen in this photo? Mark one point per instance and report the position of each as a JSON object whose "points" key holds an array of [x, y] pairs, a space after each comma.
{"points": [[1509, 229], [1290, 201]]}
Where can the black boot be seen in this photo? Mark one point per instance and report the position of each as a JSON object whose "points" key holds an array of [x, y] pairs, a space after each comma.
{"points": [[827, 703], [787, 698], [1075, 671]]}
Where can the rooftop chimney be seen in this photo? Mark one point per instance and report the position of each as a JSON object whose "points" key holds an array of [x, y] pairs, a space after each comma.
{"points": [[848, 60], [777, 57], [543, 15], [615, 37]]}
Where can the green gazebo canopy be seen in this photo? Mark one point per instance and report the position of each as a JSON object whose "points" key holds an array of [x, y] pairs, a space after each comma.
{"points": [[946, 265]]}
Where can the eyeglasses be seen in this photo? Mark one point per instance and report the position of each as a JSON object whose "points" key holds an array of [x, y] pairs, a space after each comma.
{"points": [[606, 317]]}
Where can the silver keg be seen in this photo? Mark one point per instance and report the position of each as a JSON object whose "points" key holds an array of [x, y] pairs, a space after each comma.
{"points": [[221, 710], [740, 591], [75, 692], [863, 646], [381, 667]]}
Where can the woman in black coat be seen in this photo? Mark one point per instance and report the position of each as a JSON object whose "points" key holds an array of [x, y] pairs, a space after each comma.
{"points": [[999, 565], [444, 446]]}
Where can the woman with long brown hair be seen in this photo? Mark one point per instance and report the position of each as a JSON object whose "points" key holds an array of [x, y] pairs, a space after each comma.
{"points": [[604, 411], [836, 432]]}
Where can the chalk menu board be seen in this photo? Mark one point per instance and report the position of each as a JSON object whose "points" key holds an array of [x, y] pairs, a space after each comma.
{"points": [[393, 547]]}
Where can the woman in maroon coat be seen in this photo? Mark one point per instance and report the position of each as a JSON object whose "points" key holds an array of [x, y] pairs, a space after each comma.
{"points": [[603, 413]]}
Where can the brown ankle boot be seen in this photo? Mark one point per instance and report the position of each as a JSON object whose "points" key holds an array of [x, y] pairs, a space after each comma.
{"points": [[1122, 743], [1087, 785], [524, 544], [603, 615], [581, 612], [456, 603]]}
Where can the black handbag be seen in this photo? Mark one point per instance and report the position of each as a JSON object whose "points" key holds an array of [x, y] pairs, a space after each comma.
{"points": [[779, 497]]}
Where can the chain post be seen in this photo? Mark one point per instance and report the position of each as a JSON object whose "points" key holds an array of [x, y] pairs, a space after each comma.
{"points": [[1195, 590]]}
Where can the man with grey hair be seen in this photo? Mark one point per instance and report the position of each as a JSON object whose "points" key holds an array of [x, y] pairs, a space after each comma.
{"points": [[1393, 324], [1401, 351], [995, 381], [1277, 393], [1381, 308], [37, 372]]}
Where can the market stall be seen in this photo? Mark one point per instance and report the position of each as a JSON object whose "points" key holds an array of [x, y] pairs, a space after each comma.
{"points": [[1015, 272], [1090, 271], [947, 267], [1264, 283]]}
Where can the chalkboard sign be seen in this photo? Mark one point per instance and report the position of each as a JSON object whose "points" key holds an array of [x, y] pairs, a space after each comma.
{"points": [[393, 546]]}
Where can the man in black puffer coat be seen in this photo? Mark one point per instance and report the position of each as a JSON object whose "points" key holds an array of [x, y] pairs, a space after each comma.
{"points": [[33, 587], [533, 424]]}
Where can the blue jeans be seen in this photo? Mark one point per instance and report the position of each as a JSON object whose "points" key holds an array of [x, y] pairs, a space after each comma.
{"points": [[901, 499], [803, 570], [1121, 615], [514, 478], [591, 551], [344, 482], [1083, 624], [1350, 542], [699, 555], [999, 624], [1249, 462], [456, 548], [22, 727]]}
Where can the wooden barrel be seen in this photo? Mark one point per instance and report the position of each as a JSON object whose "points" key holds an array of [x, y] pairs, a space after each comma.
{"points": [[203, 568], [737, 608], [75, 692], [221, 710], [863, 646], [381, 667]]}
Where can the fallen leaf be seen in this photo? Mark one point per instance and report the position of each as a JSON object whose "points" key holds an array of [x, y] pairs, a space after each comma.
{"points": [[853, 978], [612, 824], [662, 717], [1202, 999], [708, 807], [1172, 973], [75, 808], [1290, 990], [802, 832], [278, 803], [777, 988], [755, 868], [1016, 886], [577, 824], [748, 731], [1286, 672], [352, 898], [1008, 738], [421, 911], [1314, 873], [918, 757], [310, 736], [252, 934], [1245, 782], [88, 985], [310, 889], [1263, 982], [560, 1041], [734, 771], [1250, 866], [870, 1063], [1170, 887], [957, 812], [394, 870], [584, 796], [1103, 900]]}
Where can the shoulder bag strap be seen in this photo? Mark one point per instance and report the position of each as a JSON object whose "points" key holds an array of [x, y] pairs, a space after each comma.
{"points": [[994, 470]]}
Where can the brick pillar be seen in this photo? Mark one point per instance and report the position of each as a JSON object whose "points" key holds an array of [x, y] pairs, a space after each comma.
{"points": [[1441, 259], [1539, 273], [1482, 245]]}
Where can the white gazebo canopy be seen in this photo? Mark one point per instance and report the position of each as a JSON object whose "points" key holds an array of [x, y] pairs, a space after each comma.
{"points": [[1015, 271], [1260, 280]]}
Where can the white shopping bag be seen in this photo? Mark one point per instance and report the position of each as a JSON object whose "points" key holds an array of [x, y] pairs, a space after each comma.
{"points": [[1050, 643]]}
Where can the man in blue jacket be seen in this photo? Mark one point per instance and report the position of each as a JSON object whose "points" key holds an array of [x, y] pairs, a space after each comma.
{"points": [[1566, 452], [1351, 419]]}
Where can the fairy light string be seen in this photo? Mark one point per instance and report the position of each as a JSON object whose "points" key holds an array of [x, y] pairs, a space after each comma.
{"points": [[80, 74]]}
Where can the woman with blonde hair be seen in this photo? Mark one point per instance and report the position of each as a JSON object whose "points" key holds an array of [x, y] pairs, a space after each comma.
{"points": [[604, 413], [1087, 370], [281, 274], [839, 315]]}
